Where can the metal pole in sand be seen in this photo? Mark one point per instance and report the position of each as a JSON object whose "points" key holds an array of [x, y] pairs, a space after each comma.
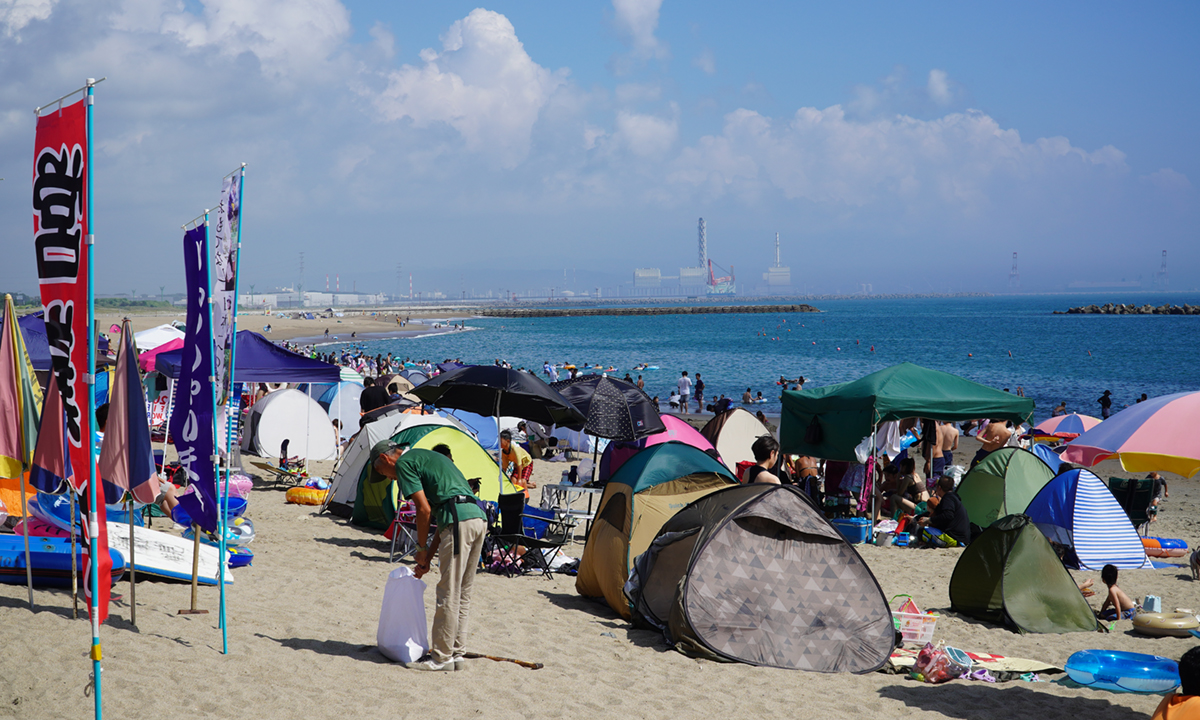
{"points": [[28, 568], [74, 570], [132, 571]]}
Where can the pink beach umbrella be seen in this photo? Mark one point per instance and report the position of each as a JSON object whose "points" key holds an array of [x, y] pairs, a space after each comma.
{"points": [[1066, 426], [1158, 434]]}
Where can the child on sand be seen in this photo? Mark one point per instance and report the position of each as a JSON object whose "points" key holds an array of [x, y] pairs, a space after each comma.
{"points": [[1117, 606]]}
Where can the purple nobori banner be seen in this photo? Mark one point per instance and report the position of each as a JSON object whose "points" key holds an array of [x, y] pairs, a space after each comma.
{"points": [[192, 421]]}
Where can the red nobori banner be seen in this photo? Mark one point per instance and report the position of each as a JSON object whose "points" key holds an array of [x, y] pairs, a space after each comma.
{"points": [[60, 197]]}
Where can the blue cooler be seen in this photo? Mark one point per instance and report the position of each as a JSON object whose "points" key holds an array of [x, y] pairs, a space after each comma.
{"points": [[855, 530]]}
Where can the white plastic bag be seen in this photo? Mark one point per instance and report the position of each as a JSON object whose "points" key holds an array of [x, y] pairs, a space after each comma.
{"points": [[863, 451], [403, 635]]}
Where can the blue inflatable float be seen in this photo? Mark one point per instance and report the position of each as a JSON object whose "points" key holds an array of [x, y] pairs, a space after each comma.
{"points": [[1123, 671]]}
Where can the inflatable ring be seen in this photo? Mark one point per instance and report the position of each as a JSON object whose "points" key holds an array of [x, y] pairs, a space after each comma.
{"points": [[1175, 624], [1164, 543], [306, 496], [1123, 671], [1166, 552]]}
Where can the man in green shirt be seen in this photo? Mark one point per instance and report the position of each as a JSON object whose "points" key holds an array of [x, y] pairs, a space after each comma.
{"points": [[439, 491]]}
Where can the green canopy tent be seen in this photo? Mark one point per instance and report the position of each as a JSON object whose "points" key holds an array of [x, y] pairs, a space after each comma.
{"points": [[829, 422], [1004, 482], [1010, 574]]}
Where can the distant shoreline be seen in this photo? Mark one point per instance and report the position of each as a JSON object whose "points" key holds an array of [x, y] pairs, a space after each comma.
{"points": [[644, 310]]}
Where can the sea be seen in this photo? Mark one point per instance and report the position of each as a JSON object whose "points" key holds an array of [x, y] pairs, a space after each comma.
{"points": [[1012, 342]]}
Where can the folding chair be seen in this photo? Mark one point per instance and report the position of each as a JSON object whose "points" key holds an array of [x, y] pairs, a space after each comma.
{"points": [[515, 532], [403, 532], [1134, 496]]}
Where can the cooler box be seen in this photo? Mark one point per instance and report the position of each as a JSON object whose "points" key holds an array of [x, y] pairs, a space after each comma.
{"points": [[855, 530]]}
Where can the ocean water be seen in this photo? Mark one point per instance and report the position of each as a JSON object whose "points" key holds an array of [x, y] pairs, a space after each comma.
{"points": [[1053, 357]]}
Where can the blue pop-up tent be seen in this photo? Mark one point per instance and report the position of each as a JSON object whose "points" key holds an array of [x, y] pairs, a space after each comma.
{"points": [[260, 360], [1076, 511]]}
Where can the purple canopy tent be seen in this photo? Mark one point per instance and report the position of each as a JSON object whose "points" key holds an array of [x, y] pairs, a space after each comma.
{"points": [[260, 360]]}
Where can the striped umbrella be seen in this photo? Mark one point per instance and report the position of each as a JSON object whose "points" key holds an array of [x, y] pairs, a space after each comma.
{"points": [[1066, 426], [1159, 434]]}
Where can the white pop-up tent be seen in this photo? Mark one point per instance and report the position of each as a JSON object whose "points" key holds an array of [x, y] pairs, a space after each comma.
{"points": [[344, 482], [732, 433], [341, 403], [147, 340], [289, 415]]}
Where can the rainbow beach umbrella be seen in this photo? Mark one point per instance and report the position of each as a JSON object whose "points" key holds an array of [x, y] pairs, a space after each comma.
{"points": [[1066, 426], [1159, 434]]}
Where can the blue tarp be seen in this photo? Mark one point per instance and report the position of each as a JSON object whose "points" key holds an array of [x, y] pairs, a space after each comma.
{"points": [[33, 328], [260, 360]]}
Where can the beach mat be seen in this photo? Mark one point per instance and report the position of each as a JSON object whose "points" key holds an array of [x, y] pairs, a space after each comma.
{"points": [[1002, 668]]}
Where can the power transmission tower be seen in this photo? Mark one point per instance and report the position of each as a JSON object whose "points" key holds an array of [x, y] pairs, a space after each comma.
{"points": [[1161, 280]]}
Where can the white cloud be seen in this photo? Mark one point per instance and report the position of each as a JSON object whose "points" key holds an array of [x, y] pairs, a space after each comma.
{"points": [[706, 61], [285, 35], [955, 162], [634, 93], [16, 14], [1168, 179], [636, 21], [646, 135], [482, 83], [938, 87]]}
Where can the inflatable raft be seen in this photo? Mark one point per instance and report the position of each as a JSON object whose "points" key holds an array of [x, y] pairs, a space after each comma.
{"points": [[1123, 671], [50, 558], [1175, 624], [1164, 547]]}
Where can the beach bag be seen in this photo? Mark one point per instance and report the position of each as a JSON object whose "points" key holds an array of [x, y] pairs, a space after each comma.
{"points": [[941, 663], [403, 635]]}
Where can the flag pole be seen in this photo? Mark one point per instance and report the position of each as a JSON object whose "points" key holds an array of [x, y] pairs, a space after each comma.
{"points": [[230, 417], [93, 530]]}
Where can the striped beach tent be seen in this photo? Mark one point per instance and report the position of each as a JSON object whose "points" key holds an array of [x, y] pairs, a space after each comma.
{"points": [[1085, 525]]}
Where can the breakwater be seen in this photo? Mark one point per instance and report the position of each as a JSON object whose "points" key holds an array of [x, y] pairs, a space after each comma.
{"points": [[654, 310], [1131, 309]]}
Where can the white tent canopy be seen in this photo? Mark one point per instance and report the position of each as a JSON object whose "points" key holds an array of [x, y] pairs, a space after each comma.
{"points": [[735, 436], [289, 415], [154, 337]]}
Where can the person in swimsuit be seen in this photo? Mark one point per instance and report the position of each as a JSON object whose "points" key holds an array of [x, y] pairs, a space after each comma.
{"points": [[1118, 605], [766, 453]]}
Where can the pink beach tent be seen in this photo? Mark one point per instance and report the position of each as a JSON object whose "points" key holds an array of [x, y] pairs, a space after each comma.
{"points": [[146, 359], [1156, 435], [678, 429]]}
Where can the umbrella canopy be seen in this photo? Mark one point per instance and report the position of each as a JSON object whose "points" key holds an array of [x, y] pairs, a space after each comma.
{"points": [[614, 408], [492, 391], [1156, 435], [1066, 426], [20, 396]]}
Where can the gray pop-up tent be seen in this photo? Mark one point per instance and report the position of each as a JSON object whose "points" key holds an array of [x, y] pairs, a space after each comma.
{"points": [[756, 574], [829, 422]]}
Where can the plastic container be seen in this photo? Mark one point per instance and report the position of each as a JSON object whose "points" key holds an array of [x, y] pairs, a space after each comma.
{"points": [[884, 539], [855, 530], [1123, 671], [915, 628]]}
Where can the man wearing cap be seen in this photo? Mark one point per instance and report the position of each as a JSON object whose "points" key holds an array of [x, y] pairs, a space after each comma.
{"points": [[440, 492]]}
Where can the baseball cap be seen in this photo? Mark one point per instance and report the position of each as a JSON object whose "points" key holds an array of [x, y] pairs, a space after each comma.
{"points": [[383, 446]]}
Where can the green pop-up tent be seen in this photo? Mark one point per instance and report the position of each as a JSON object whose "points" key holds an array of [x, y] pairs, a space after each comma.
{"points": [[1011, 575], [829, 422], [1003, 483]]}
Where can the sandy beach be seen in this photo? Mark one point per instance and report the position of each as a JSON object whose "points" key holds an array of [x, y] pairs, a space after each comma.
{"points": [[366, 325], [302, 623]]}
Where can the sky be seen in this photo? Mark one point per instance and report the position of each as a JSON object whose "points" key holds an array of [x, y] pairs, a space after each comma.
{"points": [[530, 145]]}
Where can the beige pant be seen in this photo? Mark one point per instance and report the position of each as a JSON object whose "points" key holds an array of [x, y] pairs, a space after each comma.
{"points": [[450, 621]]}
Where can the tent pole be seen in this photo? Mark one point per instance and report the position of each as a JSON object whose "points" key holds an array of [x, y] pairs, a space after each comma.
{"points": [[74, 570], [167, 423], [500, 449], [28, 569], [871, 474], [132, 571]]}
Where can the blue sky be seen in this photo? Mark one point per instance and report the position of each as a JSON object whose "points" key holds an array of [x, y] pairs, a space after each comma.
{"points": [[912, 146]]}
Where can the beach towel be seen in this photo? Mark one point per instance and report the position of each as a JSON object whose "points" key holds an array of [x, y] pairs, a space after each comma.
{"points": [[1002, 668]]}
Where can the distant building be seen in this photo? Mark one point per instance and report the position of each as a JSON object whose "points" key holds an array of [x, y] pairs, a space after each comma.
{"points": [[647, 277], [693, 276]]}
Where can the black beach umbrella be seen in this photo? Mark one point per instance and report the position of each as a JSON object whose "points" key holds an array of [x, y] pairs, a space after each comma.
{"points": [[489, 390], [492, 390], [615, 409]]}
